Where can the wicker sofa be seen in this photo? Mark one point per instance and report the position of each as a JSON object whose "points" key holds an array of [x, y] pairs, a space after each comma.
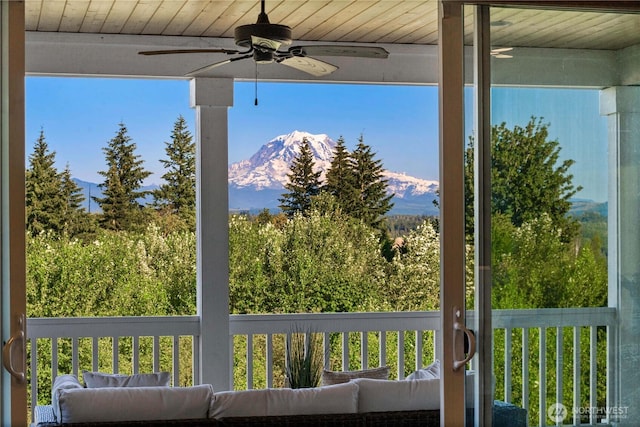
{"points": [[360, 402], [504, 415]]}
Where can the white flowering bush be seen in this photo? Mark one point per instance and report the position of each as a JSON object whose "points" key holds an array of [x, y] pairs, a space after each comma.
{"points": [[414, 282]]}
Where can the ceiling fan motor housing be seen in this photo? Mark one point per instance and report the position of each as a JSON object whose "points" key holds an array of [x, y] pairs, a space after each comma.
{"points": [[275, 32]]}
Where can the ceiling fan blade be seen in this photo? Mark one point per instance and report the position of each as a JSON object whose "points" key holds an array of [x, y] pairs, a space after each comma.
{"points": [[329, 50], [217, 64], [312, 66], [499, 52], [172, 51]]}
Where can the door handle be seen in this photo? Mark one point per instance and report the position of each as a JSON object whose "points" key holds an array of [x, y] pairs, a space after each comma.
{"points": [[18, 338], [458, 325]]}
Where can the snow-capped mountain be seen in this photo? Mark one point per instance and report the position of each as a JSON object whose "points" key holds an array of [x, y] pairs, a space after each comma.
{"points": [[268, 168], [258, 183], [403, 185]]}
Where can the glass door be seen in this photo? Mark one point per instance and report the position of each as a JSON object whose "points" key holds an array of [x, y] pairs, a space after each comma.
{"points": [[551, 172], [477, 164], [452, 236]]}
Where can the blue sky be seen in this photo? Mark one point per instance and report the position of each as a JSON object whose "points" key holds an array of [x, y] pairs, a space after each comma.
{"points": [[400, 123], [574, 120], [80, 116]]}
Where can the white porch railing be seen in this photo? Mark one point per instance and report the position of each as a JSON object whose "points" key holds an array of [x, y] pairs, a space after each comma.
{"points": [[98, 344], [406, 340], [578, 325], [350, 331]]}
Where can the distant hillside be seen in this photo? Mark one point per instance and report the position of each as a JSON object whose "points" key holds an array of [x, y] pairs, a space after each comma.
{"points": [[582, 206], [258, 182], [91, 189]]}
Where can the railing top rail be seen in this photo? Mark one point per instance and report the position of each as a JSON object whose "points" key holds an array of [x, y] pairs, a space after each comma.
{"points": [[80, 327], [554, 317], [240, 324], [420, 320]]}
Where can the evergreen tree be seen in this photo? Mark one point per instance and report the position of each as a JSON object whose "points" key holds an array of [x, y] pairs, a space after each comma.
{"points": [[178, 195], [71, 192], [264, 217], [44, 199], [340, 179], [372, 201], [303, 183], [76, 219], [123, 180]]}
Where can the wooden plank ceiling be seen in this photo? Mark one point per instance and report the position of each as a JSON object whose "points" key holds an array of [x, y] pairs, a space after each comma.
{"points": [[361, 21]]}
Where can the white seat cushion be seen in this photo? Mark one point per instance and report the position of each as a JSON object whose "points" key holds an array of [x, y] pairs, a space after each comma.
{"points": [[134, 403], [412, 395], [334, 399], [389, 395]]}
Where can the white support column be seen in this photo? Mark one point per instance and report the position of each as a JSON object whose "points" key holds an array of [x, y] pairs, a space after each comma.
{"points": [[211, 98], [621, 105]]}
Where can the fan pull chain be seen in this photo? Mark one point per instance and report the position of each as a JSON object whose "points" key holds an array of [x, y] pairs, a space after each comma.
{"points": [[256, 86]]}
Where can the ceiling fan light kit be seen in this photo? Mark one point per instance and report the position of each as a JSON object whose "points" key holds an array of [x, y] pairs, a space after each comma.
{"points": [[263, 40]]}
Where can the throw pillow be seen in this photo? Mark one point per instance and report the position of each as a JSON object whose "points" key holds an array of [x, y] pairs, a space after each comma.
{"points": [[430, 372], [336, 377], [62, 382], [99, 380]]}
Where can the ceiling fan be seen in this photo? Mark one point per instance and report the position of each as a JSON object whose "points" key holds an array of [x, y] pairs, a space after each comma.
{"points": [[499, 52], [262, 42]]}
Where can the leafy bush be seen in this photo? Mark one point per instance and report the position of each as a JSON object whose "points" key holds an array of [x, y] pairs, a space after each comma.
{"points": [[317, 263]]}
